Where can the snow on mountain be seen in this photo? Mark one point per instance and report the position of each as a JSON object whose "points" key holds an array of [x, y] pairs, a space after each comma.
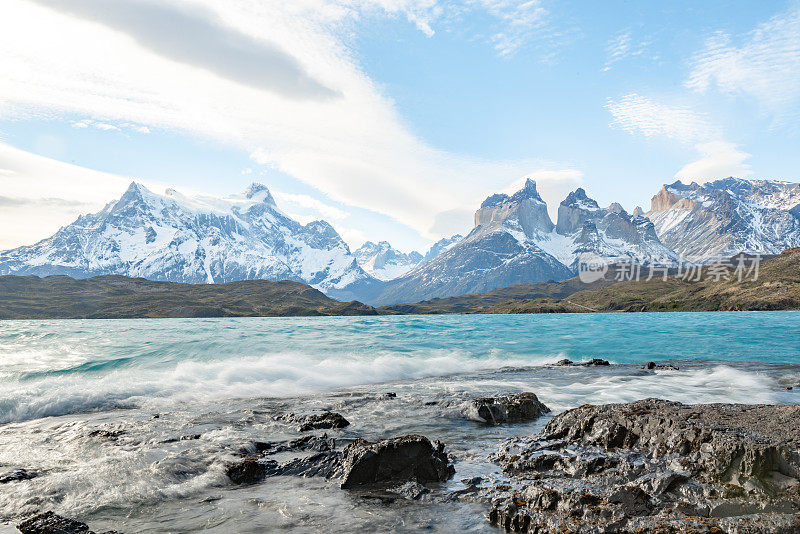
{"points": [[196, 240], [515, 242], [384, 262], [442, 245], [501, 250], [723, 218], [584, 228]]}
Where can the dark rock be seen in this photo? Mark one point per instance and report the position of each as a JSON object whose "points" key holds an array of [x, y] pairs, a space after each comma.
{"points": [[431, 403], [518, 408], [51, 523], [324, 420], [391, 395], [594, 362], [16, 475], [250, 470], [655, 466], [563, 362], [651, 366], [106, 435], [407, 458], [411, 490]]}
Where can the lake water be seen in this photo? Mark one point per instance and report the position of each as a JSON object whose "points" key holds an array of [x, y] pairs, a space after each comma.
{"points": [[224, 380]]}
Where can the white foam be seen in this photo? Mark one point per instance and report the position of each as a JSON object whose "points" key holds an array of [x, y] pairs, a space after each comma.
{"points": [[273, 375]]}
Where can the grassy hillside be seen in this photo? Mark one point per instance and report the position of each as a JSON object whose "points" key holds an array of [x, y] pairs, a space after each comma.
{"points": [[118, 297], [481, 302], [777, 288]]}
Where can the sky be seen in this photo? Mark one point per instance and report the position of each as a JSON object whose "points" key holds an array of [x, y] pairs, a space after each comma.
{"points": [[390, 119]]}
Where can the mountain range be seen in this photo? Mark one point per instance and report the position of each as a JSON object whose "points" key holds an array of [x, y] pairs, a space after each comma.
{"points": [[173, 237]]}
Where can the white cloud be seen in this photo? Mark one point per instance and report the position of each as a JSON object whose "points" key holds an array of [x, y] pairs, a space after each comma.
{"points": [[521, 22], [765, 65], [718, 160], [346, 141], [289, 202], [622, 46], [89, 123], [553, 186], [638, 114]]}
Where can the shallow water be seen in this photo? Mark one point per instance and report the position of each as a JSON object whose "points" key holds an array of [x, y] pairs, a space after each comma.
{"points": [[225, 379]]}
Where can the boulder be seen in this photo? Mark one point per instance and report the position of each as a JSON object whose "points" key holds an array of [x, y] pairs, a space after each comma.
{"points": [[249, 470], [563, 362], [52, 523], [407, 458], [325, 420], [517, 408]]}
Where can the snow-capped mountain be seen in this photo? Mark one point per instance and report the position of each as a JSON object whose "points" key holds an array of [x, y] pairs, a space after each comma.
{"points": [[196, 240], [500, 251], [584, 228], [442, 245], [723, 218], [515, 242], [384, 262]]}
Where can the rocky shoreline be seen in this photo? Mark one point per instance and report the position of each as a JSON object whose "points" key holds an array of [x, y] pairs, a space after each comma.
{"points": [[647, 466]]}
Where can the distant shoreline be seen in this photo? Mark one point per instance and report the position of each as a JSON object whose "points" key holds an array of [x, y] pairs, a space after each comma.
{"points": [[777, 288]]}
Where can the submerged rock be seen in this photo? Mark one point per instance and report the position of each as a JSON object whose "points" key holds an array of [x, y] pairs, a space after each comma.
{"points": [[655, 466], [517, 408], [17, 475], [563, 362], [651, 366], [325, 420], [52, 523], [595, 362]]}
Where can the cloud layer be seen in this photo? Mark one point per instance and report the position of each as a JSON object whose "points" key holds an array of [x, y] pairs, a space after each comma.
{"points": [[304, 108], [764, 66]]}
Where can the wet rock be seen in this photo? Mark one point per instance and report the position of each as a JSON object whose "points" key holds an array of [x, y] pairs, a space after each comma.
{"points": [[595, 362], [652, 366], [16, 475], [518, 408], [406, 458], [250, 470], [51, 523], [411, 490], [654, 466], [106, 435], [325, 420], [390, 395], [563, 362]]}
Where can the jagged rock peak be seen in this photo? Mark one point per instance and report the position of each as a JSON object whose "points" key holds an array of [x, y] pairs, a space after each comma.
{"points": [[617, 208], [257, 191], [579, 199], [528, 192]]}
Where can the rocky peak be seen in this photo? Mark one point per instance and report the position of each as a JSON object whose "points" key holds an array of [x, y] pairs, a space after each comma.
{"points": [[528, 191], [524, 210], [259, 193], [575, 210], [616, 207], [579, 199]]}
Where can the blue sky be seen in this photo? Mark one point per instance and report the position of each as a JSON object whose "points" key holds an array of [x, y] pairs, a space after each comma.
{"points": [[392, 119]]}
